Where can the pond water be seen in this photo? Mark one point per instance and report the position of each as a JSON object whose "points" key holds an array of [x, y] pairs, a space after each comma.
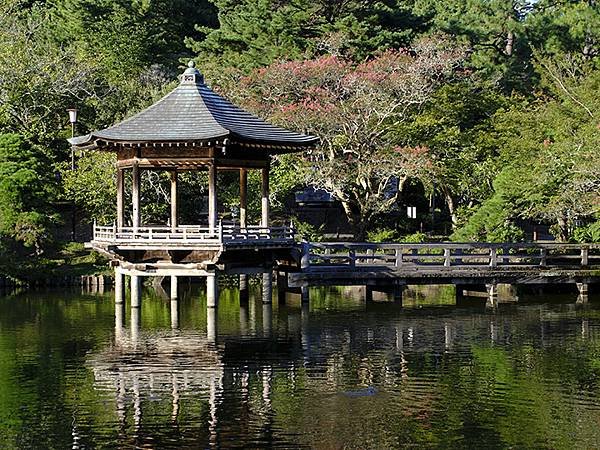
{"points": [[75, 373]]}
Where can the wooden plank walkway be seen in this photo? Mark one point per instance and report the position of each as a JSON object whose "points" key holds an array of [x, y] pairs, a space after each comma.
{"points": [[446, 263]]}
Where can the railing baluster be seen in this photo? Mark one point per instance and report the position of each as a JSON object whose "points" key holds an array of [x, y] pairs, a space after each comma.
{"points": [[447, 257], [543, 257], [584, 256], [398, 259], [305, 261], [493, 257]]}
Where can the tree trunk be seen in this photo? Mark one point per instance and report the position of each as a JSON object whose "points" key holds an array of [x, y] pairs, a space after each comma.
{"points": [[563, 229], [357, 222], [510, 39], [451, 207]]}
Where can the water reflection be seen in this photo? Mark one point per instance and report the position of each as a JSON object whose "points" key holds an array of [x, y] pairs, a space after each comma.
{"points": [[326, 374]]}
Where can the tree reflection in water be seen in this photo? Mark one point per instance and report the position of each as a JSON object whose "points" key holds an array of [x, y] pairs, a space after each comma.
{"points": [[279, 375]]}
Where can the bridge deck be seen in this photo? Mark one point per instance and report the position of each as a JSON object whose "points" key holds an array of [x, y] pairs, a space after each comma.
{"points": [[451, 263]]}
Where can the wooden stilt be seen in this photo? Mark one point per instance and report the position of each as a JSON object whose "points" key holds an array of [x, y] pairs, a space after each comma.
{"points": [[212, 291], [120, 198], [265, 198], [174, 287], [119, 287], [243, 198], [135, 193], [212, 197], [267, 287], [136, 291], [244, 293], [174, 222]]}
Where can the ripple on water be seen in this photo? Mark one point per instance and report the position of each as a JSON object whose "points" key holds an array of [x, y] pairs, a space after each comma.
{"points": [[523, 377]]}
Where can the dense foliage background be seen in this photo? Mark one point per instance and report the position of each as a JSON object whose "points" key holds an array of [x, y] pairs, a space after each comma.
{"points": [[489, 107]]}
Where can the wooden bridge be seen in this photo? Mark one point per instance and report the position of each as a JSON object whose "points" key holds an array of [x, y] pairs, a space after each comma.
{"points": [[479, 266]]}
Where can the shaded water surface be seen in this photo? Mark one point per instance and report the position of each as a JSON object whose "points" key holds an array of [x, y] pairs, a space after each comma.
{"points": [[75, 373]]}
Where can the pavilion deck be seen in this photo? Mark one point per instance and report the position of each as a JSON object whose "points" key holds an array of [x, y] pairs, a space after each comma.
{"points": [[193, 236]]}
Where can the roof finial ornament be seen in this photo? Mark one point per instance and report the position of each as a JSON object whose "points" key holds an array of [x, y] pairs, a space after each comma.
{"points": [[192, 75]]}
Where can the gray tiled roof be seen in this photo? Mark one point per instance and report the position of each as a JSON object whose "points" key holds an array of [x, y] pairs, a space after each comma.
{"points": [[194, 113]]}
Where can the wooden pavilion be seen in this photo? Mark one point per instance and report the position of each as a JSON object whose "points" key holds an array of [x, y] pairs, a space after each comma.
{"points": [[192, 128]]}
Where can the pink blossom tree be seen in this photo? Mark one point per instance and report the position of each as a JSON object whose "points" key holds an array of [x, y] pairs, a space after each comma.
{"points": [[354, 109]]}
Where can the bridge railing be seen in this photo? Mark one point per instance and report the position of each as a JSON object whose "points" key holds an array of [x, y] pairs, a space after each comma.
{"points": [[190, 234], [437, 255]]}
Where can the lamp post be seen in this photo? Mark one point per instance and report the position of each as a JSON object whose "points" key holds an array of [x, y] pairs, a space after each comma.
{"points": [[73, 120]]}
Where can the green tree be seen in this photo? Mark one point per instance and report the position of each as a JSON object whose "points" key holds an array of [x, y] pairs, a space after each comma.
{"points": [[253, 34], [26, 188], [550, 159], [456, 124]]}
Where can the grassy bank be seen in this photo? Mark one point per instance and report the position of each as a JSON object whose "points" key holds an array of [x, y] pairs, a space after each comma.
{"points": [[65, 261]]}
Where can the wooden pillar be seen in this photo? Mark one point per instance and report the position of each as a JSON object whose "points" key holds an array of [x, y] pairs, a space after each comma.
{"points": [[243, 198], [119, 287], [135, 194], [304, 295], [265, 198], [282, 286], [460, 294], [244, 294], [174, 286], [212, 291], [120, 198], [368, 294], [398, 290], [174, 222], [267, 287], [212, 197], [136, 291]]}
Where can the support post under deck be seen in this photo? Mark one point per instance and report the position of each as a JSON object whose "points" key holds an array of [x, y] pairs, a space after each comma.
{"points": [[136, 291], [244, 295], [174, 287], [212, 290], [398, 291], [267, 287], [119, 287], [304, 295], [282, 286]]}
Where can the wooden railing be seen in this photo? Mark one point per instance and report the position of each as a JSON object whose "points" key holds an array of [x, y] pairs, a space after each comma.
{"points": [[190, 234], [442, 255]]}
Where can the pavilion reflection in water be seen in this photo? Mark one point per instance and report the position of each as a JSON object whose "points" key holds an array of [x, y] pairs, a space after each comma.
{"points": [[291, 346]]}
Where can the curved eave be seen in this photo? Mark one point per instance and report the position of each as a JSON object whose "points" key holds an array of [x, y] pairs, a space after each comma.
{"points": [[93, 142]]}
